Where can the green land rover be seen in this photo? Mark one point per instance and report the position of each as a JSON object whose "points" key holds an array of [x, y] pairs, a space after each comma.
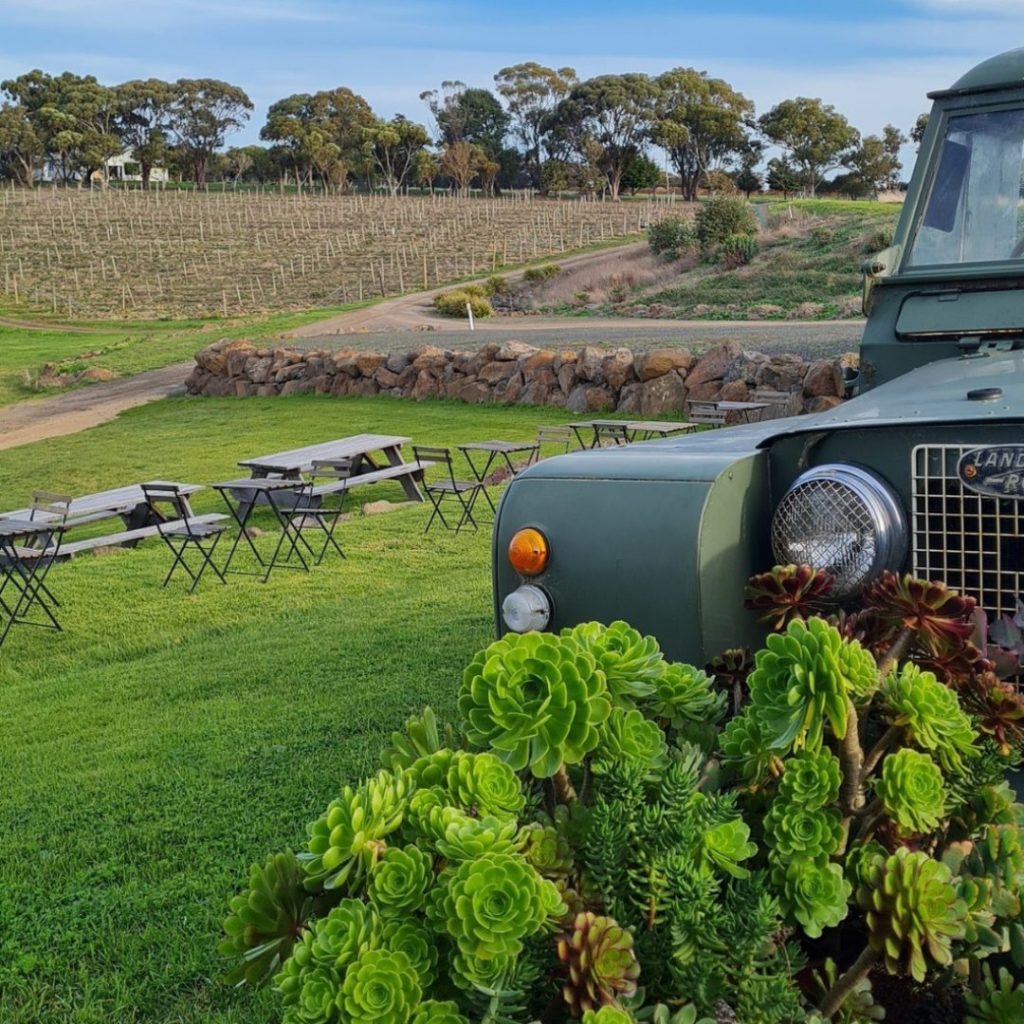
{"points": [[922, 471]]}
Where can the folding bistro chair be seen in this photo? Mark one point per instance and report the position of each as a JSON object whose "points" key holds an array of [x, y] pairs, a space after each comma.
{"points": [[55, 508], [464, 492], [179, 534], [614, 432], [551, 435], [328, 477], [24, 568]]}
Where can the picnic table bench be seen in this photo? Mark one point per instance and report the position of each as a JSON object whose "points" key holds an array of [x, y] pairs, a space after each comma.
{"points": [[126, 503], [366, 466]]}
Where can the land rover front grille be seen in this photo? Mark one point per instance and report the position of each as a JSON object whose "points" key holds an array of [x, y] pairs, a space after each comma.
{"points": [[972, 542]]}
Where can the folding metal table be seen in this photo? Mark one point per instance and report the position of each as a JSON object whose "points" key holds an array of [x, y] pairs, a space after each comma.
{"points": [[495, 450]]}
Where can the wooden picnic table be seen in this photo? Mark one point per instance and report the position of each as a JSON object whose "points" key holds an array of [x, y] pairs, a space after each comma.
{"points": [[744, 408], [627, 431], [366, 466], [128, 503]]}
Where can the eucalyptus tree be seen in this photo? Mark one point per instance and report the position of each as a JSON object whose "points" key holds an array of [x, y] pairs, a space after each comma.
{"points": [[531, 92], [468, 115], [816, 136], [20, 147], [701, 122], [143, 119], [393, 147], [202, 112], [612, 112]]}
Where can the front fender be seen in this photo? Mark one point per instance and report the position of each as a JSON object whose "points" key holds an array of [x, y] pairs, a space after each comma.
{"points": [[661, 535]]}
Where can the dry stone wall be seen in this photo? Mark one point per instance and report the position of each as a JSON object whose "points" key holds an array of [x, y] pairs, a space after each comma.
{"points": [[590, 380]]}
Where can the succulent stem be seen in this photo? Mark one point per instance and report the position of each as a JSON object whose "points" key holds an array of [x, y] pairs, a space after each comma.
{"points": [[564, 789], [851, 757], [836, 995], [898, 650], [875, 754]]}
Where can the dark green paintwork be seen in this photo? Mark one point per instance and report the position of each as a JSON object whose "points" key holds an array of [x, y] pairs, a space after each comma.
{"points": [[665, 534]]}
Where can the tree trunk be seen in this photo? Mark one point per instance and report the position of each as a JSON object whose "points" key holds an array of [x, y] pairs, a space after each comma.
{"points": [[147, 170]]}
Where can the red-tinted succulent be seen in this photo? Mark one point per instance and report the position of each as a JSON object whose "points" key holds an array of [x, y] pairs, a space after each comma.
{"points": [[998, 707], [940, 619], [787, 592]]}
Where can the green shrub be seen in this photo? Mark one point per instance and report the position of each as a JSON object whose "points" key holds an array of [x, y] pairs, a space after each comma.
{"points": [[497, 285], [721, 217], [737, 251], [672, 237], [536, 274], [453, 303]]}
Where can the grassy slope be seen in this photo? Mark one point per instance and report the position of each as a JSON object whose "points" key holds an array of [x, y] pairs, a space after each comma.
{"points": [[161, 743], [127, 347]]}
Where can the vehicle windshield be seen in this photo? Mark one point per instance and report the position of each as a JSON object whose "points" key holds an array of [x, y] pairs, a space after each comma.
{"points": [[974, 212]]}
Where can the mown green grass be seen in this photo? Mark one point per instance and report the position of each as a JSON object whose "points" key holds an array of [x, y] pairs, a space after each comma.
{"points": [[123, 347], [161, 743]]}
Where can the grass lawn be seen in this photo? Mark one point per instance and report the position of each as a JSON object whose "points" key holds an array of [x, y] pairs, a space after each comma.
{"points": [[162, 743], [124, 347]]}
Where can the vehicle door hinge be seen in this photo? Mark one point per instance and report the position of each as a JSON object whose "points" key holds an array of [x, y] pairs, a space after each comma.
{"points": [[972, 345]]}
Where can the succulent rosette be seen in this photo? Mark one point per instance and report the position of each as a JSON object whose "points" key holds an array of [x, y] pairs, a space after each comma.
{"points": [[802, 681], [465, 838], [930, 713], [743, 745], [547, 849], [607, 1015], [1000, 1001], [400, 879], [811, 779], [346, 841], [813, 892], [600, 963], [434, 1011], [860, 860], [489, 905], [269, 917], [912, 791], [351, 928], [470, 973], [431, 769], [683, 693], [537, 700], [486, 784], [381, 987], [627, 736], [793, 830], [629, 661], [725, 845], [311, 996], [787, 592], [417, 942], [912, 911]]}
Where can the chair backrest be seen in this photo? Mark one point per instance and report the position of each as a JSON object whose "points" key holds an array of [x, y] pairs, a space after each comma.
{"points": [[555, 435], [332, 469], [705, 412], [778, 402], [57, 505], [154, 492], [440, 456]]}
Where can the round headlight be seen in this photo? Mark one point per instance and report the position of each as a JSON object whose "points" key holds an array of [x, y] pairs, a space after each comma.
{"points": [[843, 520]]}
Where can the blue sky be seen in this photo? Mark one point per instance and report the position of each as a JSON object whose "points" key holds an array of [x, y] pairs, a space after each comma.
{"points": [[874, 61]]}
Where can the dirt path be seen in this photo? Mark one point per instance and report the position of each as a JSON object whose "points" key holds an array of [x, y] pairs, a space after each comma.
{"points": [[39, 418], [36, 325]]}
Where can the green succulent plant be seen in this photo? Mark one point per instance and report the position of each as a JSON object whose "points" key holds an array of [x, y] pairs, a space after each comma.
{"points": [[547, 849], [912, 911], [381, 987], [490, 904], [810, 779], [433, 1011], [607, 1015], [536, 700], [931, 715], [350, 929], [267, 920], [630, 662], [859, 1007], [399, 880], [627, 736], [486, 784], [345, 842], [793, 830], [912, 791], [310, 995], [600, 963], [464, 838], [417, 942], [743, 744], [812, 892], [859, 860], [683, 694], [470, 973], [804, 679], [422, 736], [725, 845], [431, 769], [1000, 1001]]}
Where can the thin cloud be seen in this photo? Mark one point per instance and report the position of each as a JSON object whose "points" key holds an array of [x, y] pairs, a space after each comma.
{"points": [[972, 8]]}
